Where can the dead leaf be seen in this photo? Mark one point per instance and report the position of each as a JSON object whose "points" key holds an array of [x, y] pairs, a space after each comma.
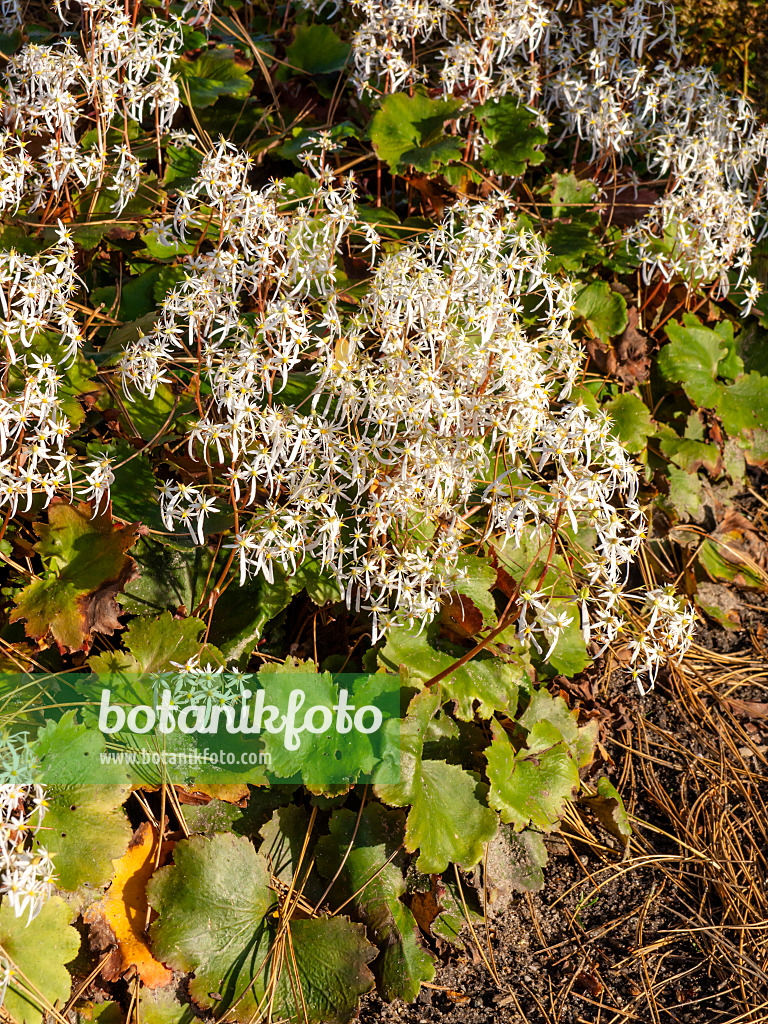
{"points": [[633, 360], [425, 906], [119, 917], [742, 549], [460, 617], [623, 207], [628, 358], [748, 708], [204, 792]]}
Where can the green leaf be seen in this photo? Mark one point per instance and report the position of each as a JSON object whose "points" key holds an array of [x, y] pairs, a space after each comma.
{"points": [[216, 921], [570, 244], [692, 357], [532, 785], [85, 566], [698, 357], [241, 613], [160, 1006], [331, 756], [284, 840], [213, 74], [685, 494], [320, 585], [513, 135], [13, 237], [408, 131], [570, 195], [317, 50], [526, 563], [743, 405], [448, 821], [476, 588], [723, 564], [182, 164], [85, 830], [543, 707], [687, 453], [604, 310], [170, 577], [40, 950], [360, 849], [453, 916], [67, 752], [631, 421], [153, 644], [481, 687]]}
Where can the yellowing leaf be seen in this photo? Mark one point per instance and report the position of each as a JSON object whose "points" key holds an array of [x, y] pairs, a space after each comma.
{"points": [[85, 567], [124, 911]]}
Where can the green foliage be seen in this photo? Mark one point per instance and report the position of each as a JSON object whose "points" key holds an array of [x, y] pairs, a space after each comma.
{"points": [[481, 687], [317, 50], [52, 933], [86, 829], [605, 311], [704, 361], [513, 135], [212, 75], [66, 750], [448, 821], [407, 131], [531, 785], [632, 421], [154, 644], [570, 195], [227, 947], [362, 850]]}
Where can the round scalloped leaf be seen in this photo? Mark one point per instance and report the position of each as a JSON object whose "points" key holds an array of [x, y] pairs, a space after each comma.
{"points": [[408, 130], [513, 134], [161, 1006], [85, 829], [481, 687], [542, 706], [317, 50], [213, 74], [40, 950], [532, 785], [217, 921], [448, 821], [692, 357], [631, 421], [360, 850], [604, 310], [68, 753]]}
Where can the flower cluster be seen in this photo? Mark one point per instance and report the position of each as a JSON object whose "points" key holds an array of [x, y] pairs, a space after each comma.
{"points": [[39, 335], [384, 434], [128, 72], [669, 630], [594, 78], [435, 412], [26, 869]]}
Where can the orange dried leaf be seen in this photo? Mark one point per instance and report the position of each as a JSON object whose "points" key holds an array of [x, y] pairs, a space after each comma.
{"points": [[121, 915]]}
